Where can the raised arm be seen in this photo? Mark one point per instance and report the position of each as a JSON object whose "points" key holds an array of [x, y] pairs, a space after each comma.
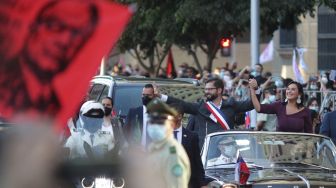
{"points": [[253, 84], [189, 108]]}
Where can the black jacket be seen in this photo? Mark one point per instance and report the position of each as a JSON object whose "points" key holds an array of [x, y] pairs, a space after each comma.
{"points": [[203, 124], [134, 124], [190, 144]]}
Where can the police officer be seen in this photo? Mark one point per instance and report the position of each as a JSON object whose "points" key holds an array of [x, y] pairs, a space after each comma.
{"points": [[170, 165], [88, 141]]}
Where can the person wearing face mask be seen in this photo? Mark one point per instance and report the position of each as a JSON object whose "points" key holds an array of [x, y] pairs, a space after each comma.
{"points": [[88, 141], [313, 104], [257, 74], [228, 152], [136, 121], [267, 122], [170, 166], [189, 141], [112, 124]]}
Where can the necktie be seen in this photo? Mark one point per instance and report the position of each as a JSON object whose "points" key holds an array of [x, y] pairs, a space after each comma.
{"points": [[175, 134]]}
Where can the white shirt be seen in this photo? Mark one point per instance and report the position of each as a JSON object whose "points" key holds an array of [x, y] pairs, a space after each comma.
{"points": [[100, 143], [179, 134], [107, 127], [144, 127]]}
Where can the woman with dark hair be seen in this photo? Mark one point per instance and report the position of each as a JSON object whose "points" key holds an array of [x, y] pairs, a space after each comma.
{"points": [[292, 115], [312, 104]]}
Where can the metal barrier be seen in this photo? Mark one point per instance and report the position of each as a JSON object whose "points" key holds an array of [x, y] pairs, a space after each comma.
{"points": [[326, 99]]}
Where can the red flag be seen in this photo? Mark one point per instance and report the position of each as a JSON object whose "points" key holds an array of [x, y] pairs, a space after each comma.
{"points": [[170, 70], [242, 172], [49, 50]]}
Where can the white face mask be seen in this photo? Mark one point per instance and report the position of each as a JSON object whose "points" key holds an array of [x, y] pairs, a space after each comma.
{"points": [[324, 80], [313, 86], [156, 132], [316, 108], [255, 73], [272, 98]]}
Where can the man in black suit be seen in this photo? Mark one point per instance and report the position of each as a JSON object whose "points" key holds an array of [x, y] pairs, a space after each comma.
{"points": [[189, 141], [206, 122], [136, 120]]}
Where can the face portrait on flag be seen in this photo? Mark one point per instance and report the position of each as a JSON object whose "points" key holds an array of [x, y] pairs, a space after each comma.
{"points": [[54, 38], [57, 35], [56, 50]]}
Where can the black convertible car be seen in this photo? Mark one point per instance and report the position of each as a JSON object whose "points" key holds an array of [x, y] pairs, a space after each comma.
{"points": [[274, 159]]}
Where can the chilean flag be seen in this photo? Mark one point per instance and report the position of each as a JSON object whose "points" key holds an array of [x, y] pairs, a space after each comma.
{"points": [[242, 172]]}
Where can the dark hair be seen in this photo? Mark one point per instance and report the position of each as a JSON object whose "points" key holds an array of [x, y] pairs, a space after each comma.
{"points": [[109, 99], [260, 65], [310, 101], [313, 114], [300, 89], [149, 86], [218, 83], [178, 107]]}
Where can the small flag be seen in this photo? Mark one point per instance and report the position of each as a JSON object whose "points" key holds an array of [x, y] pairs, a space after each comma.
{"points": [[242, 172], [170, 70], [247, 120], [267, 54], [296, 70]]}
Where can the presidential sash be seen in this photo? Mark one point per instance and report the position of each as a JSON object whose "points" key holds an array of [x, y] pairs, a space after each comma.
{"points": [[219, 115]]}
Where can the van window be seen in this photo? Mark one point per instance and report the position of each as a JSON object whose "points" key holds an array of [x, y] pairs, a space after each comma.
{"points": [[126, 97], [96, 91]]}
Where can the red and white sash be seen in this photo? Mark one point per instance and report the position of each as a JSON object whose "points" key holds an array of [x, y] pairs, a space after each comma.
{"points": [[219, 115]]}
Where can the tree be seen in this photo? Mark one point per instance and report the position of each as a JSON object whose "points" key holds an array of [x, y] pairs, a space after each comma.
{"points": [[145, 36], [200, 24]]}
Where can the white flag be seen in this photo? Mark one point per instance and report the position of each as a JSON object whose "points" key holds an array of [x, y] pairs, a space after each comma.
{"points": [[267, 54], [302, 64], [297, 73]]}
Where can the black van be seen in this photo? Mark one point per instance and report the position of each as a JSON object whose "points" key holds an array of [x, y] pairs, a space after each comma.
{"points": [[126, 91]]}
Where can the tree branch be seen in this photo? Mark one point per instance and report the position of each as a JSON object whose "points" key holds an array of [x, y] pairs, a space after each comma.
{"points": [[202, 48], [164, 54], [194, 55], [140, 60]]}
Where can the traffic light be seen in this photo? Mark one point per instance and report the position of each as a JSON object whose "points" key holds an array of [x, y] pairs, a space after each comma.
{"points": [[225, 46]]}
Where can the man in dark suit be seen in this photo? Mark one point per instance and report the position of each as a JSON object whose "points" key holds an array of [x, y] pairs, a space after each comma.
{"points": [[136, 120], [205, 121], [328, 128], [189, 141]]}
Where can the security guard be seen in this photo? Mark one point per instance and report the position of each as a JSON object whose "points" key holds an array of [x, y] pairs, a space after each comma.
{"points": [[88, 141], [170, 165]]}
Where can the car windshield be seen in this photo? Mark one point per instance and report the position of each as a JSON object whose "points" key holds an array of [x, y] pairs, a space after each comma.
{"points": [[269, 150]]}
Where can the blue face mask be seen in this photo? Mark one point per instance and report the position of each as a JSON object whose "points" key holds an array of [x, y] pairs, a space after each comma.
{"points": [[92, 125], [156, 132], [255, 73]]}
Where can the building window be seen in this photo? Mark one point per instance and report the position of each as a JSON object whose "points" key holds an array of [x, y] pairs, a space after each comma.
{"points": [[287, 38], [326, 39]]}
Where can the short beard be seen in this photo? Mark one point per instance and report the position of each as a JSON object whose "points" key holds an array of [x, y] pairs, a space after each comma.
{"points": [[211, 97]]}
